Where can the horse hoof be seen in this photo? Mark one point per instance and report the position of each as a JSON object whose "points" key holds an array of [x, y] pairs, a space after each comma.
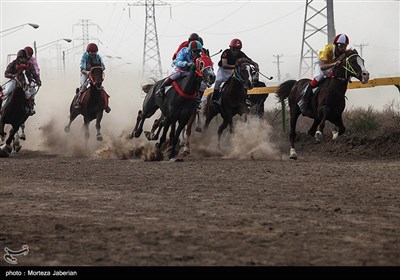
{"points": [[186, 151], [99, 138], [318, 136], [66, 129], [22, 136], [293, 154], [175, 160], [199, 129], [137, 134], [13, 154], [335, 135]]}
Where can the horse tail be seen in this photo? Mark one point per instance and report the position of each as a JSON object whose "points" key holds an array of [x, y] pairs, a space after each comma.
{"points": [[284, 89], [147, 87]]}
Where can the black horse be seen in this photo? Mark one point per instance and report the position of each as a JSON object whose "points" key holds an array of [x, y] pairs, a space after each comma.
{"points": [[328, 102], [15, 113], [93, 102], [179, 102], [233, 99]]}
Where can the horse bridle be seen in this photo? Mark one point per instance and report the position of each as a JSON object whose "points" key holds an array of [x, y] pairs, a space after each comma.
{"points": [[350, 68], [237, 75]]}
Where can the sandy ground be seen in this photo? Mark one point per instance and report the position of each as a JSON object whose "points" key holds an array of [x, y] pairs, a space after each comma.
{"points": [[247, 205]]}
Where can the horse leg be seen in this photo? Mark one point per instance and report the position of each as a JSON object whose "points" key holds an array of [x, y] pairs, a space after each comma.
{"points": [[71, 119], [221, 129], [2, 133], [6, 148], [85, 127], [198, 124], [175, 142], [99, 116], [186, 149], [313, 128], [167, 123], [319, 133], [138, 118], [145, 115], [22, 135], [16, 146], [339, 128], [294, 115]]}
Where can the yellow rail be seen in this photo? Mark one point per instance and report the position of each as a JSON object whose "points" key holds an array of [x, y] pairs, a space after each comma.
{"points": [[354, 85]]}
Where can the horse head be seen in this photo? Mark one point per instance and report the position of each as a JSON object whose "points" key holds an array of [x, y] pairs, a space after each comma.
{"points": [[205, 70], [352, 66], [96, 76], [244, 72]]}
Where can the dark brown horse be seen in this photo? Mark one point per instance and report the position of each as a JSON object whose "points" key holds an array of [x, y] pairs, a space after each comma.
{"points": [[15, 113], [328, 102], [93, 102], [179, 103], [233, 99]]}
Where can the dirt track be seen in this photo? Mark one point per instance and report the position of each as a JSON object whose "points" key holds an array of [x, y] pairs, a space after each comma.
{"points": [[321, 210]]}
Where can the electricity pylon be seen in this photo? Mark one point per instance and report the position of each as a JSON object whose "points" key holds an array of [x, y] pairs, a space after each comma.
{"points": [[318, 23]]}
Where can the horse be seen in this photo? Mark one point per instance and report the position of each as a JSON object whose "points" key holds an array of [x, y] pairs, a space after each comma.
{"points": [[179, 102], [233, 99], [328, 102], [93, 102], [15, 113]]}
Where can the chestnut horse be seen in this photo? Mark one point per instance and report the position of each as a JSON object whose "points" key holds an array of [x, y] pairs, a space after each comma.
{"points": [[93, 102]]}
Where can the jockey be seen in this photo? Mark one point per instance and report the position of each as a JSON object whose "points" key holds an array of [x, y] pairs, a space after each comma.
{"points": [[329, 57], [181, 66], [227, 64], [14, 69], [90, 58], [32, 90], [185, 44]]}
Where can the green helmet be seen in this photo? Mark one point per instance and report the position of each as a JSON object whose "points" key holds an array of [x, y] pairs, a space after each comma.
{"points": [[195, 45]]}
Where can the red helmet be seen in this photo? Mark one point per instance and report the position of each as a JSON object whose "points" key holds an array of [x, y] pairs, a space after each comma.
{"points": [[92, 47], [236, 44], [29, 51], [341, 39], [193, 36]]}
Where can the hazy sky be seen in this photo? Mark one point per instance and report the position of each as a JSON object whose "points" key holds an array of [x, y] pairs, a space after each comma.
{"points": [[266, 28]]}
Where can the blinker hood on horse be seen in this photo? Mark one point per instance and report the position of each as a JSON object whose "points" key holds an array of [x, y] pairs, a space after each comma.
{"points": [[328, 102]]}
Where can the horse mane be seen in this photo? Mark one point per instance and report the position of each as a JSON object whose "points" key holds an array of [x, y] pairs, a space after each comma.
{"points": [[242, 60]]}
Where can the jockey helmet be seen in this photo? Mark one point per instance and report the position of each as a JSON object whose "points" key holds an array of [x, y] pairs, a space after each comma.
{"points": [[22, 54], [29, 51], [341, 39], [193, 37], [200, 40], [235, 44], [195, 45], [92, 47]]}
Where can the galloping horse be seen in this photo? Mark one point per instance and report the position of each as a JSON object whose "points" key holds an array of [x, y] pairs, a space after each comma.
{"points": [[233, 99], [15, 113], [93, 102], [328, 103], [179, 102]]}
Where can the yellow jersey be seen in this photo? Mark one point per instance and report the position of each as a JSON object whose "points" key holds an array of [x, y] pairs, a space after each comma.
{"points": [[327, 53]]}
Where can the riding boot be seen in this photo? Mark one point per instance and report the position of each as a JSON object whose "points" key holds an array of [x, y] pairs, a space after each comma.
{"points": [[161, 91], [78, 97], [305, 95]]}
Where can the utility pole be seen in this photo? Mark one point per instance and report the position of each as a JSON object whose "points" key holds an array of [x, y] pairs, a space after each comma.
{"points": [[85, 38], [318, 23], [278, 64], [361, 47], [151, 51]]}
